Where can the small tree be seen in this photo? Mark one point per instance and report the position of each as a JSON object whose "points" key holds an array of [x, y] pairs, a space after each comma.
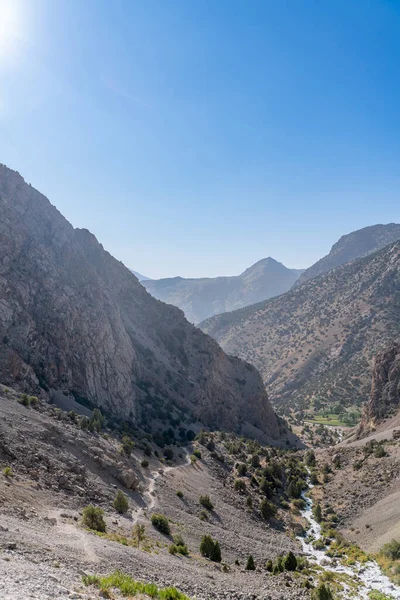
{"points": [[93, 518], [290, 562], [249, 502], [255, 461], [121, 503], [216, 553], [138, 533], [242, 469], [240, 485], [322, 592], [250, 566], [206, 546], [24, 400], [160, 522], [267, 509], [310, 459], [127, 445]]}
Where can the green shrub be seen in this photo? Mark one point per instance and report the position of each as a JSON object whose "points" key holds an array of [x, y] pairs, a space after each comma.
{"points": [[197, 454], [161, 523], [8, 472], [121, 503], [240, 485], [250, 566], [127, 445], [255, 461], [357, 465], [210, 548], [33, 401], [267, 509], [269, 565], [138, 533], [317, 511], [206, 502], [322, 592], [310, 458], [241, 469], [168, 454], [24, 400], [145, 463], [314, 478], [391, 550], [380, 451], [290, 562], [179, 493], [93, 517], [249, 502]]}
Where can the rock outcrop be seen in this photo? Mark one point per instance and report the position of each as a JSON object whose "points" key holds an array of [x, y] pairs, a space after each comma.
{"points": [[76, 320], [384, 400]]}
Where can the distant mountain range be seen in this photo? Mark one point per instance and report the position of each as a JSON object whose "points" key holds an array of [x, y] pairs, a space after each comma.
{"points": [[139, 275], [351, 246], [202, 298], [318, 340]]}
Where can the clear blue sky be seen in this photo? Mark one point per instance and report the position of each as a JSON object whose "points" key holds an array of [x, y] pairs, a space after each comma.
{"points": [[195, 137]]}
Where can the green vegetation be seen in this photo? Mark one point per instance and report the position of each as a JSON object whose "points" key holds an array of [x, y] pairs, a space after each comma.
{"points": [[127, 445], [206, 502], [240, 485], [129, 587], [322, 592], [250, 566], [24, 400], [33, 401], [210, 548], [138, 534], [8, 472], [93, 518], [121, 503], [179, 493], [161, 523], [267, 509]]}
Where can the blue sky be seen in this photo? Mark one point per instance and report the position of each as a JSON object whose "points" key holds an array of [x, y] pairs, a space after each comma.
{"points": [[195, 137]]}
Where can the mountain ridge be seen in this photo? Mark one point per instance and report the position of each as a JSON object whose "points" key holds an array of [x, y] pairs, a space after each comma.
{"points": [[207, 296]]}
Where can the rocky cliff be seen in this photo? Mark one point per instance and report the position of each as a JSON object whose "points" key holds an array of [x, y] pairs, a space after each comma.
{"points": [[352, 246], [202, 298], [75, 319], [385, 390]]}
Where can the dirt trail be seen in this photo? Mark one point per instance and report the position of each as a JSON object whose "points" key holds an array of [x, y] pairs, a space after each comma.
{"points": [[79, 540], [150, 492]]}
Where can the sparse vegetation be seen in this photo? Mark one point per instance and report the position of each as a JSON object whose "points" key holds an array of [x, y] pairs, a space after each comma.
{"points": [[210, 548], [121, 503], [161, 523], [8, 472], [250, 566], [130, 587], [206, 502], [138, 533], [93, 518]]}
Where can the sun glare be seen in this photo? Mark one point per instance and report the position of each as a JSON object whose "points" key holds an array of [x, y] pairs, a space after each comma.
{"points": [[9, 25]]}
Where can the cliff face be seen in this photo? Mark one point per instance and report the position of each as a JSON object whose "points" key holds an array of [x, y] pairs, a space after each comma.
{"points": [[385, 390], [75, 319]]}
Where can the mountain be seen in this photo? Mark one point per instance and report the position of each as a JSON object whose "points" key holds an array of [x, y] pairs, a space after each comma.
{"points": [[73, 319], [384, 400], [202, 298], [318, 340], [351, 246], [139, 275]]}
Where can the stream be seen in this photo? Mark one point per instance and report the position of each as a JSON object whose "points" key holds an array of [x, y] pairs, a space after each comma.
{"points": [[367, 575]]}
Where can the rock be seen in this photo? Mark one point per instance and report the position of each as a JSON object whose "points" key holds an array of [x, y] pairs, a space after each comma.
{"points": [[128, 479]]}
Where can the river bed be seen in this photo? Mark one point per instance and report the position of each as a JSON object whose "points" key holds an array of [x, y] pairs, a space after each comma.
{"points": [[368, 576]]}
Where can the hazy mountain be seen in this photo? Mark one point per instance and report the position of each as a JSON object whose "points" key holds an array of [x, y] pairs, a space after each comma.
{"points": [[202, 298], [351, 246], [74, 319], [139, 275], [319, 339]]}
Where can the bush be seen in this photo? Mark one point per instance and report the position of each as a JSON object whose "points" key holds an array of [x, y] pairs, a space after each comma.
{"points": [[249, 502], [322, 592], [317, 512], [357, 465], [33, 401], [121, 503], [93, 518], [179, 493], [250, 566], [210, 549], [168, 454], [197, 454], [310, 459], [267, 509], [24, 400], [145, 463], [379, 451], [290, 562], [255, 461], [127, 445], [206, 502], [391, 550], [161, 523], [242, 469], [269, 566], [240, 485], [8, 472], [314, 478], [138, 533]]}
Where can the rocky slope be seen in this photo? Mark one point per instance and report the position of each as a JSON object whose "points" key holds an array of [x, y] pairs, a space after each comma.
{"points": [[202, 298], [351, 246], [384, 400], [75, 319], [319, 339]]}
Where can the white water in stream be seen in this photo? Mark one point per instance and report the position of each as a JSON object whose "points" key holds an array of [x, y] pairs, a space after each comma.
{"points": [[368, 576]]}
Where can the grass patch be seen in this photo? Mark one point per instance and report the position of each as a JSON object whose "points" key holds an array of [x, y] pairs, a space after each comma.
{"points": [[130, 587]]}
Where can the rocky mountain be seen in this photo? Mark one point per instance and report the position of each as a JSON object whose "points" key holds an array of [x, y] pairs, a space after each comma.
{"points": [[139, 275], [74, 319], [319, 339], [202, 298], [351, 246], [385, 390]]}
